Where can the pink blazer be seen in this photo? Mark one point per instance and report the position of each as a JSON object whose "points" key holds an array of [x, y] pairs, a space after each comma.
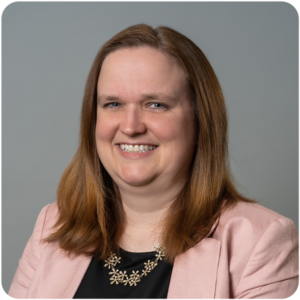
{"points": [[251, 252]]}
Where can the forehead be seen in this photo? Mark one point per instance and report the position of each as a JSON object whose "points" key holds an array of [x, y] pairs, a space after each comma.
{"points": [[139, 56], [140, 69]]}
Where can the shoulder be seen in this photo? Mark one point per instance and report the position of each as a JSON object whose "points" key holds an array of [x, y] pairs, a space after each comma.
{"points": [[259, 232], [250, 211], [260, 247], [252, 218], [250, 226], [46, 220]]}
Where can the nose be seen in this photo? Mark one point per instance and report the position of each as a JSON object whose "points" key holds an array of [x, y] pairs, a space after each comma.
{"points": [[132, 123]]}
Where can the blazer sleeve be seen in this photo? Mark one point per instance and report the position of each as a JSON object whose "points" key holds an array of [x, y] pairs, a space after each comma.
{"points": [[29, 260], [272, 268]]}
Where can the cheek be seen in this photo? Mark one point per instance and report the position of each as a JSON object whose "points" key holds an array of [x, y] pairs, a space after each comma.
{"points": [[105, 131], [104, 134], [175, 129], [163, 129]]}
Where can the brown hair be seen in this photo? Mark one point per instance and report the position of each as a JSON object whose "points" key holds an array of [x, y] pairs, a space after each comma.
{"points": [[91, 215]]}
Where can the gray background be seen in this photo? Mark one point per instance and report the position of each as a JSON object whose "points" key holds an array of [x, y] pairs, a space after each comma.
{"points": [[47, 51]]}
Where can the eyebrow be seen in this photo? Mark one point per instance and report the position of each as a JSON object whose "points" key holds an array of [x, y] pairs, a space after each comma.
{"points": [[103, 98], [151, 96]]}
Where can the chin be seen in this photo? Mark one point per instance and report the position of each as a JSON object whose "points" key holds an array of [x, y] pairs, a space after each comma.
{"points": [[136, 179]]}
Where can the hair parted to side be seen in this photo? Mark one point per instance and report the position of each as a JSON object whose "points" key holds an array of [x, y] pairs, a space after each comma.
{"points": [[91, 215]]}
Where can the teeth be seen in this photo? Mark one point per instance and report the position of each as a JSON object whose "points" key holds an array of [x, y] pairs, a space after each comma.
{"points": [[137, 148]]}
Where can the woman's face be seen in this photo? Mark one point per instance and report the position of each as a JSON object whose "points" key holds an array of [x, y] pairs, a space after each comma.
{"points": [[145, 121]]}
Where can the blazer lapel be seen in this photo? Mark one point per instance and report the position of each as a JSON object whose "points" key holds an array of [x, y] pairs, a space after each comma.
{"points": [[59, 275], [195, 271]]}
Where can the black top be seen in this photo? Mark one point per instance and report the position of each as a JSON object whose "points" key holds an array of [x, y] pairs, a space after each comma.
{"points": [[96, 282]]}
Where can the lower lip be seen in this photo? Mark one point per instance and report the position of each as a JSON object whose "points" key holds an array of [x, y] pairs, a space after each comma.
{"points": [[134, 155]]}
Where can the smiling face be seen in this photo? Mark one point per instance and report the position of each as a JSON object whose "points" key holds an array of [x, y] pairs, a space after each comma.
{"points": [[145, 122]]}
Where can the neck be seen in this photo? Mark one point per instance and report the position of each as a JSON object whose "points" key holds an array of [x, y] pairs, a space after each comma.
{"points": [[145, 212]]}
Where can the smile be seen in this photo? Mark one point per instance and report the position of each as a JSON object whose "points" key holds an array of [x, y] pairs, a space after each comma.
{"points": [[137, 148]]}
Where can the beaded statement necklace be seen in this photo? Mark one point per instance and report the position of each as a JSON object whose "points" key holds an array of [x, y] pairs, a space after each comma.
{"points": [[121, 277]]}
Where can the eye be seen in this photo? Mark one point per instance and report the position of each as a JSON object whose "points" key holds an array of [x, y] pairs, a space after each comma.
{"points": [[157, 105], [112, 105]]}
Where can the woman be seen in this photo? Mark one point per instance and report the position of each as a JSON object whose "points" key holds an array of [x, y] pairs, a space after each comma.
{"points": [[146, 208]]}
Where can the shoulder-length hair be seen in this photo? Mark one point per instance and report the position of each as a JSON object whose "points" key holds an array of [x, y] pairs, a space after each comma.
{"points": [[91, 215]]}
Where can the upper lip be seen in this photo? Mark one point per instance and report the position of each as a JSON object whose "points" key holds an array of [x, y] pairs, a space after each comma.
{"points": [[136, 143]]}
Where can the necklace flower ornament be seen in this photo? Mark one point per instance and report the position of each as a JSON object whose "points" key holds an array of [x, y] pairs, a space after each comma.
{"points": [[132, 279]]}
